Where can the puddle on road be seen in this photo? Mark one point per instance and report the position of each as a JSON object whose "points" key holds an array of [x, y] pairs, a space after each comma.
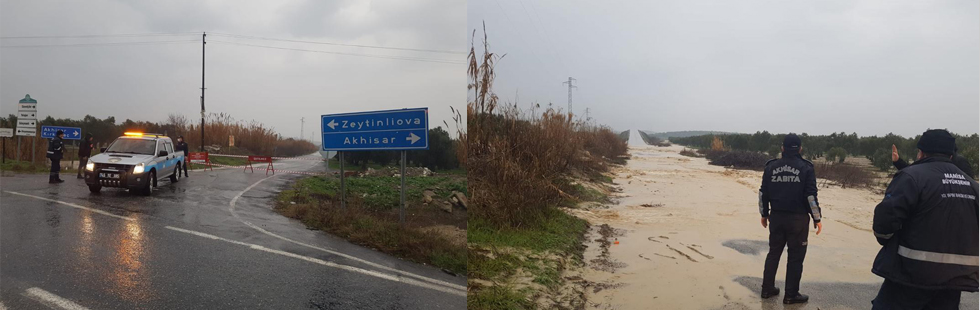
{"points": [[747, 247]]}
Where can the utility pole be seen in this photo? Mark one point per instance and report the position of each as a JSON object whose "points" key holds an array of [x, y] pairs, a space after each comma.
{"points": [[203, 42], [302, 124], [570, 86], [587, 119]]}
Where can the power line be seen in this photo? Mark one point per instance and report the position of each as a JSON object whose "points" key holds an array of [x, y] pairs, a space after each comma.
{"points": [[446, 61], [101, 35], [546, 37], [98, 44], [340, 44]]}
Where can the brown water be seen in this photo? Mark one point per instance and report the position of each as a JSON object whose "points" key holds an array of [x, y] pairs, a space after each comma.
{"points": [[690, 238]]}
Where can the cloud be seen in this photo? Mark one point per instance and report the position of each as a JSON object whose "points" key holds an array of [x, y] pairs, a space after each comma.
{"points": [[870, 67], [272, 86]]}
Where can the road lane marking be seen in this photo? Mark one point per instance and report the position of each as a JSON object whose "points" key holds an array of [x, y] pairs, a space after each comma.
{"points": [[231, 209], [52, 300], [372, 273], [74, 206]]}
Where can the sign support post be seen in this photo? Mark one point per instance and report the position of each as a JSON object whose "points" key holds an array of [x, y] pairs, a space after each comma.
{"points": [[27, 124], [343, 191], [391, 130], [401, 214]]}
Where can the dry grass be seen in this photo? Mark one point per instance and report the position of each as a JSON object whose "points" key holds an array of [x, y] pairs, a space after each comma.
{"points": [[517, 161], [845, 174]]}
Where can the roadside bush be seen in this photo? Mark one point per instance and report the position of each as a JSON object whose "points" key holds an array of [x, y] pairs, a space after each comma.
{"points": [[738, 159], [292, 147], [516, 161], [689, 153], [837, 154], [846, 175]]}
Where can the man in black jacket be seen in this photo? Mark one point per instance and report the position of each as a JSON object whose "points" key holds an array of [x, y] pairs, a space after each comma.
{"points": [[84, 152], [56, 149], [958, 160], [927, 224], [182, 146], [789, 188]]}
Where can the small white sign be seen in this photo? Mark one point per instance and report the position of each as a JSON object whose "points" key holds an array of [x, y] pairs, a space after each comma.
{"points": [[29, 132], [26, 123], [26, 115], [27, 107], [6, 132]]}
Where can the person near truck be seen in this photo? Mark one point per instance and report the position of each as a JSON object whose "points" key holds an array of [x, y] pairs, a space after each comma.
{"points": [[84, 152], [927, 225], [787, 200], [182, 146], [56, 149]]}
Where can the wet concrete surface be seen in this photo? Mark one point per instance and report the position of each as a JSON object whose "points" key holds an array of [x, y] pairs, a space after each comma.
{"points": [[835, 295], [105, 262]]}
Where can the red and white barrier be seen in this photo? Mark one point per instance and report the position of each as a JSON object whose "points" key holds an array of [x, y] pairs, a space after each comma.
{"points": [[279, 171], [310, 158]]}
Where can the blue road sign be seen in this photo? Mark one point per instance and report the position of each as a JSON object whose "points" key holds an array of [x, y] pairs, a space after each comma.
{"points": [[406, 129], [71, 133]]}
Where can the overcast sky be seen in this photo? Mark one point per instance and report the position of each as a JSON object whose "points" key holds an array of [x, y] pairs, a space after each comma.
{"points": [[275, 87], [870, 67]]}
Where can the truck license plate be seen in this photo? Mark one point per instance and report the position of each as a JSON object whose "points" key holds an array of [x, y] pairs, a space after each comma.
{"points": [[109, 175]]}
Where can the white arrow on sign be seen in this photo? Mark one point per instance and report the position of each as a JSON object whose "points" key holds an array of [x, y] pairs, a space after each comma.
{"points": [[74, 133], [332, 124], [412, 137]]}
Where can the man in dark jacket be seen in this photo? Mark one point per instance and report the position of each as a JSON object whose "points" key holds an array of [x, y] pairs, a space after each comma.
{"points": [[182, 146], [958, 160], [84, 152], [927, 225], [789, 188], [56, 149]]}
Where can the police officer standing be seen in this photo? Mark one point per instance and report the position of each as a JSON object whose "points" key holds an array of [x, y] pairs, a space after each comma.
{"points": [[56, 149], [84, 152], [927, 224], [789, 189], [182, 146]]}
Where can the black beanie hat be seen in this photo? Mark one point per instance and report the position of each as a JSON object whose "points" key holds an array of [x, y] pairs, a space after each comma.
{"points": [[792, 142], [59, 133], [937, 141]]}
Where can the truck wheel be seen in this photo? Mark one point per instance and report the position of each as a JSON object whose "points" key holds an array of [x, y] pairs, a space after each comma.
{"points": [[148, 189], [176, 176], [95, 189]]}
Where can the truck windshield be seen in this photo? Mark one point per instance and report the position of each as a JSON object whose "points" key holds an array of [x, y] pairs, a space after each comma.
{"points": [[132, 146]]}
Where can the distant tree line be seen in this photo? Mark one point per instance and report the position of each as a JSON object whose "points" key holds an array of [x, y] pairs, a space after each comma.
{"points": [[441, 154], [835, 147], [250, 137]]}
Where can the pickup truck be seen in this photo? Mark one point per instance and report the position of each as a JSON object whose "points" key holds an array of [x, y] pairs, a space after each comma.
{"points": [[136, 161]]}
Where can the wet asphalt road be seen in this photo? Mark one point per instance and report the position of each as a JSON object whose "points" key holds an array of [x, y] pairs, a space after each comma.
{"points": [[187, 247]]}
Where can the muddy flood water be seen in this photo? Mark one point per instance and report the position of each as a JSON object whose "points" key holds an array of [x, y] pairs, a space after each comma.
{"points": [[689, 237]]}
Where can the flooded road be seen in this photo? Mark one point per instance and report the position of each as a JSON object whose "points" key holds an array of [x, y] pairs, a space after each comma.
{"points": [[689, 237], [211, 241]]}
